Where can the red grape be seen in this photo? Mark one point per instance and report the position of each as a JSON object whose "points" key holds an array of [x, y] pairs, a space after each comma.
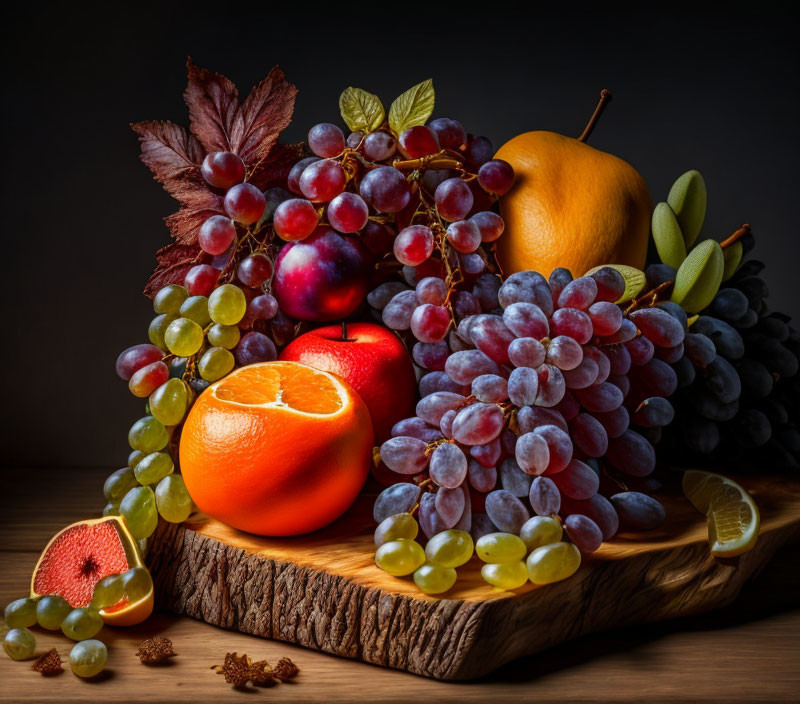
{"points": [[135, 358], [255, 269], [147, 379], [418, 141], [490, 224], [385, 189], [429, 323], [201, 279], [413, 245], [450, 133], [223, 169], [216, 234], [293, 180], [496, 176], [465, 237], [348, 213], [255, 347], [377, 237], [244, 203], [379, 146], [478, 151], [295, 219], [322, 181], [326, 140], [453, 199]]}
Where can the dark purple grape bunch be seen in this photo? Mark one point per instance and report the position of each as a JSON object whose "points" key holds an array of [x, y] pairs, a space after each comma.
{"points": [[527, 403]]}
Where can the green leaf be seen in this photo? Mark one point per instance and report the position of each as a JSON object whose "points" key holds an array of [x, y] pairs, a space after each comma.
{"points": [[733, 257], [635, 279], [361, 111], [412, 108], [687, 198], [699, 277], [668, 236]]}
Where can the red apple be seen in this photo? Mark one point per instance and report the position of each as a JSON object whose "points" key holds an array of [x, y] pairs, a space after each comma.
{"points": [[323, 277], [372, 359]]}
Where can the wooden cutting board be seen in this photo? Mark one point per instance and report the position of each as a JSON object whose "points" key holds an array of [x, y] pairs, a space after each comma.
{"points": [[323, 590]]}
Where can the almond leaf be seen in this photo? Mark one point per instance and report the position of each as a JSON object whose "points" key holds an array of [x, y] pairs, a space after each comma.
{"points": [[174, 261], [361, 111], [412, 108]]}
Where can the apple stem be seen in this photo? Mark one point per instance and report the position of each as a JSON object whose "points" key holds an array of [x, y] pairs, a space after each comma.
{"points": [[605, 99], [344, 330], [736, 236]]}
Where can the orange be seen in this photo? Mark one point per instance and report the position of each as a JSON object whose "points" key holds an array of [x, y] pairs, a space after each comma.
{"points": [[276, 448], [80, 555], [571, 206]]}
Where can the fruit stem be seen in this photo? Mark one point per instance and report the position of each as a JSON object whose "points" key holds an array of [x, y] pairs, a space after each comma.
{"points": [[432, 161], [650, 298], [605, 99], [736, 236]]}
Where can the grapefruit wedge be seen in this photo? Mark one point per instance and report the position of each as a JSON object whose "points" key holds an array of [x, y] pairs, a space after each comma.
{"points": [[82, 554]]}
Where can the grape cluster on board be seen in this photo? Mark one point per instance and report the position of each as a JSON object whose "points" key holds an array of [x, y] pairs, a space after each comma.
{"points": [[737, 375], [522, 407], [385, 204]]}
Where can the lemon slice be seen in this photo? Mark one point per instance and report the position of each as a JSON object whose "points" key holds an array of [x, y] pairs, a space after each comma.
{"points": [[733, 518]]}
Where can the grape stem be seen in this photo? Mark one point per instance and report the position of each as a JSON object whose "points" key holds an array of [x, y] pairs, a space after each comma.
{"points": [[442, 160], [605, 99], [650, 298], [736, 236]]}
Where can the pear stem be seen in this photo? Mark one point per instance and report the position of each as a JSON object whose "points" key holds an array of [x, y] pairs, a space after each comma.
{"points": [[736, 236], [605, 99]]}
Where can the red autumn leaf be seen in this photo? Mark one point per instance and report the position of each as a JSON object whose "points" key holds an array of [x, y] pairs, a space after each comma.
{"points": [[168, 150], [213, 103], [274, 170], [174, 261]]}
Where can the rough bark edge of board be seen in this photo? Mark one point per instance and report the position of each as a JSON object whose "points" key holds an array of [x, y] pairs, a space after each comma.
{"points": [[446, 639]]}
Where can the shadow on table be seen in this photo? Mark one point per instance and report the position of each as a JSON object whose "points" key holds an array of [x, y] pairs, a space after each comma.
{"points": [[774, 591]]}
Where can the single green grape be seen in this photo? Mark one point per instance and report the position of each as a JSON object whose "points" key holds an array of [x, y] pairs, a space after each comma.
{"points": [[434, 579], [111, 509], [196, 308], [505, 575], [227, 304], [226, 336], [215, 363], [118, 483], [401, 525], [400, 557], [88, 658], [138, 508], [500, 547], [51, 611], [135, 457], [107, 592], [148, 435], [170, 298], [554, 562], [158, 326], [19, 644], [136, 583], [141, 543], [450, 548], [169, 401], [21, 613], [82, 623], [184, 337], [540, 530], [173, 500], [154, 467]]}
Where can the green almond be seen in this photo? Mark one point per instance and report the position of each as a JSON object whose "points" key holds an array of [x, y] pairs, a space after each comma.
{"points": [[733, 257], [635, 279], [412, 108], [668, 236], [699, 277], [687, 198]]}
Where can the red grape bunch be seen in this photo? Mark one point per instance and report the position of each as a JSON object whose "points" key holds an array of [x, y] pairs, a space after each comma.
{"points": [[528, 405]]}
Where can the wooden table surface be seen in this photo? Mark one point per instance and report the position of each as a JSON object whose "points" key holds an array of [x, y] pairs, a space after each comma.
{"points": [[749, 651]]}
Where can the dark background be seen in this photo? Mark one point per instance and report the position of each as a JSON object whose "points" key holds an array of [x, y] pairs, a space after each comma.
{"points": [[711, 89]]}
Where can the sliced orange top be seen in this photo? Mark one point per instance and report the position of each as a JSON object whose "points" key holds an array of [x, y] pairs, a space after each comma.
{"points": [[289, 386]]}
